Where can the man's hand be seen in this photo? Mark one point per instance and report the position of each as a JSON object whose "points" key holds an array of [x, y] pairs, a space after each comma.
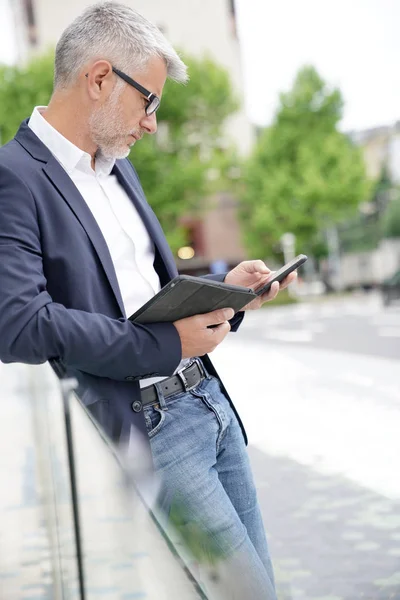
{"points": [[254, 274], [197, 338]]}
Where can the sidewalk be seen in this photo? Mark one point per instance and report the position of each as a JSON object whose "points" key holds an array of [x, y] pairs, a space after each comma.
{"points": [[330, 539], [325, 449]]}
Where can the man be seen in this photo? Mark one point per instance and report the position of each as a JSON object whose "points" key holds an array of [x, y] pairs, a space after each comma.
{"points": [[80, 250]]}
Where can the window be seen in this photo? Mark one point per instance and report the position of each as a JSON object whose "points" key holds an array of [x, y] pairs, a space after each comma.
{"points": [[232, 12], [30, 21]]}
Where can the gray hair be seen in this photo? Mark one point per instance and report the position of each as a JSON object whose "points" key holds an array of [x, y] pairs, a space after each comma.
{"points": [[117, 33]]}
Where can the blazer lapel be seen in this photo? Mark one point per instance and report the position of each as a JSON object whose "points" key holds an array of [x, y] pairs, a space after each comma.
{"points": [[64, 184], [130, 182], [127, 177]]}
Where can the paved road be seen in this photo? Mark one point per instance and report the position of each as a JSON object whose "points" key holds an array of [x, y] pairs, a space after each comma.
{"points": [[359, 325], [319, 393]]}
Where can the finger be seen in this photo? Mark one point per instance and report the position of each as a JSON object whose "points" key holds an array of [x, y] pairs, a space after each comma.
{"points": [[288, 280], [216, 316], [263, 280], [272, 293], [218, 332], [259, 266], [256, 266], [255, 304]]}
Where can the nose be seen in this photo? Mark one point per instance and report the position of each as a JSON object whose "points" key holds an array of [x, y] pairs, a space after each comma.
{"points": [[149, 123]]}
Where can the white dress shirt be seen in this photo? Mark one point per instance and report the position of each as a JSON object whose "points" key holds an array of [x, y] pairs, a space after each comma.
{"points": [[128, 241]]}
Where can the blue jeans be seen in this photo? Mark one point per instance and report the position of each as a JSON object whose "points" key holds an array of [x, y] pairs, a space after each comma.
{"points": [[199, 452]]}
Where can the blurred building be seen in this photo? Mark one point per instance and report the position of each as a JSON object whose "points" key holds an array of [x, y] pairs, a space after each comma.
{"points": [[381, 149], [198, 27], [369, 267]]}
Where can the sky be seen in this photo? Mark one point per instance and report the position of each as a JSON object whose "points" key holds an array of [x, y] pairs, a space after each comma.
{"points": [[354, 44]]}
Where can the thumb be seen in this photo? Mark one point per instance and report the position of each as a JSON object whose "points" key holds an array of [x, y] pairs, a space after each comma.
{"points": [[257, 266], [217, 316]]}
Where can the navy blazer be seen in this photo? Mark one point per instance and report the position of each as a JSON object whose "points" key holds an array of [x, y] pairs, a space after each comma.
{"points": [[59, 295]]}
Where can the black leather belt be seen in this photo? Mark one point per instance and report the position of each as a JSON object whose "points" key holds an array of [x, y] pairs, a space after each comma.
{"points": [[183, 381]]}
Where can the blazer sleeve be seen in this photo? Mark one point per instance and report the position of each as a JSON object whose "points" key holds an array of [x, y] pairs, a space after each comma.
{"points": [[239, 316], [34, 329]]}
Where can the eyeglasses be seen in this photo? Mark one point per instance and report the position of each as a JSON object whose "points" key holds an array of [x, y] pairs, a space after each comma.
{"points": [[153, 101]]}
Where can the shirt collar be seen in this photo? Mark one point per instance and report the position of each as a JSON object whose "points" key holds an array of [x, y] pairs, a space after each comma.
{"points": [[68, 155]]}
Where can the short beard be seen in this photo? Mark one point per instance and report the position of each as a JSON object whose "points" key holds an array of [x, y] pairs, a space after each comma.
{"points": [[107, 129]]}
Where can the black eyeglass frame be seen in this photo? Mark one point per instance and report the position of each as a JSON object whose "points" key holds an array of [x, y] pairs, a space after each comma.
{"points": [[150, 97]]}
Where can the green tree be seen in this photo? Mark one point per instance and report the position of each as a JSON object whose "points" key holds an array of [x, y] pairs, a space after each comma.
{"points": [[22, 88], [173, 166], [381, 191], [304, 175], [380, 218], [391, 220]]}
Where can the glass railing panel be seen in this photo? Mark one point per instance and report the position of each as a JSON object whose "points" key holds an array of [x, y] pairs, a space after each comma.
{"points": [[55, 476], [30, 523], [124, 553]]}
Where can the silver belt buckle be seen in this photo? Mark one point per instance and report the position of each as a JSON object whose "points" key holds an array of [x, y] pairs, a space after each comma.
{"points": [[183, 378], [203, 373]]}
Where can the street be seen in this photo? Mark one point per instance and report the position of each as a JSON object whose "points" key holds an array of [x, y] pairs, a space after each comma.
{"points": [[358, 324], [319, 394]]}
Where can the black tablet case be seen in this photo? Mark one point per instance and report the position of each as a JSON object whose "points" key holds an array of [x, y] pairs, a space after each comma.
{"points": [[185, 296]]}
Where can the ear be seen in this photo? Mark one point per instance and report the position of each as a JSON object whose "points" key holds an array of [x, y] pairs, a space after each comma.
{"points": [[99, 79]]}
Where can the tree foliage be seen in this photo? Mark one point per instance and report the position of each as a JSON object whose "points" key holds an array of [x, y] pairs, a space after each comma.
{"points": [[304, 175], [382, 190], [379, 218], [173, 165], [391, 220], [22, 88]]}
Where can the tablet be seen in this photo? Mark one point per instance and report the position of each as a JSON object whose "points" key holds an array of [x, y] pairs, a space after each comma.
{"points": [[185, 296]]}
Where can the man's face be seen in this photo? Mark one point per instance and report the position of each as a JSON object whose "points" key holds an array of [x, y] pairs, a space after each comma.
{"points": [[121, 120]]}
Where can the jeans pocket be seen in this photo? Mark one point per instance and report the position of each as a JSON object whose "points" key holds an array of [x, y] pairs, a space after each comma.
{"points": [[154, 418], [206, 398]]}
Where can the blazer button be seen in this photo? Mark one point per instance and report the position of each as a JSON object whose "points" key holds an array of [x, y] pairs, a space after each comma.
{"points": [[130, 378], [137, 406]]}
